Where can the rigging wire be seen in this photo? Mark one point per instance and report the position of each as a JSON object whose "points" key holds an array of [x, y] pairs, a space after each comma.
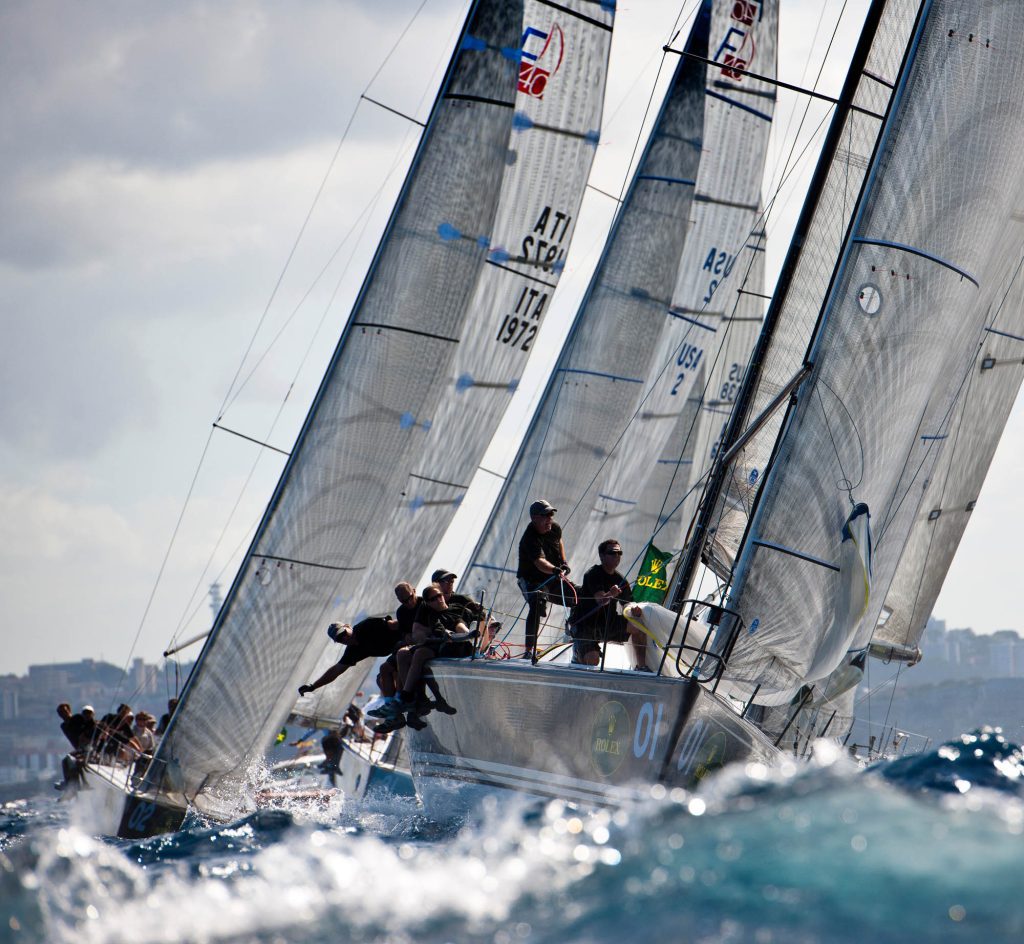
{"points": [[312, 208], [231, 388]]}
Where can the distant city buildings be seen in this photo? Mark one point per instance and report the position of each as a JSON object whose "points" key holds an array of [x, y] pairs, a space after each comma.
{"points": [[31, 742], [960, 654]]}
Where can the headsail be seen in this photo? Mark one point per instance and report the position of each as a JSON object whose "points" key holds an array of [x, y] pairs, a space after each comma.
{"points": [[969, 440], [311, 546], [900, 315]]}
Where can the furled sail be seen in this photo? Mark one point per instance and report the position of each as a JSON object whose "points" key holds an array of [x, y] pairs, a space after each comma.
{"points": [[369, 415], [608, 351], [968, 443], [702, 326], [555, 134], [900, 316]]}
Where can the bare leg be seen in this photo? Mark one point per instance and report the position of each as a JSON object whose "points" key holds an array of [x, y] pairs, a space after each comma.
{"points": [[639, 641], [403, 659], [387, 680], [419, 658]]}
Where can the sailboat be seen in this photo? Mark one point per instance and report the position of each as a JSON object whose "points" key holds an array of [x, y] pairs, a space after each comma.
{"points": [[368, 422], [908, 244]]}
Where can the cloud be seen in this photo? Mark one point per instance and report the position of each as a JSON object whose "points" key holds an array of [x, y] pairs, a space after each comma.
{"points": [[171, 85]]}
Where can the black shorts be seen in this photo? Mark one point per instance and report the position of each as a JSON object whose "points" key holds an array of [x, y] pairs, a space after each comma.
{"points": [[587, 635], [446, 649]]}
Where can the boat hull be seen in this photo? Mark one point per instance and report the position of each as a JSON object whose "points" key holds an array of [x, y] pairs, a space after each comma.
{"points": [[105, 805], [599, 738]]}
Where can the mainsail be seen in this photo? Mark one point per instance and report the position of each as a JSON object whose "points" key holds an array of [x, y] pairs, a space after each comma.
{"points": [[900, 315], [368, 417], [555, 134], [606, 353]]}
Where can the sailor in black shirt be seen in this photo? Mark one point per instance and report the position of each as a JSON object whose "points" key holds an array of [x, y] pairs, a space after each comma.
{"points": [[373, 637], [408, 603], [541, 567], [596, 618]]}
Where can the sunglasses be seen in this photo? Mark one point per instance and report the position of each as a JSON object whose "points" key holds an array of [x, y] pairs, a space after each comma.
{"points": [[436, 596], [612, 553], [404, 599]]}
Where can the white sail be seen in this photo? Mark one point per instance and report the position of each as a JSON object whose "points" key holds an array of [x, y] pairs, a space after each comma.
{"points": [[555, 134], [900, 316], [702, 328], [600, 376], [810, 278], [368, 417], [968, 443]]}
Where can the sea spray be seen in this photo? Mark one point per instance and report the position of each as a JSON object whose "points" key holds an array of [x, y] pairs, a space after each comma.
{"points": [[817, 851]]}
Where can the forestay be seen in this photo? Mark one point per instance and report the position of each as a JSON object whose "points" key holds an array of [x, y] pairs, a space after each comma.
{"points": [[368, 418], [901, 315], [608, 351], [555, 134]]}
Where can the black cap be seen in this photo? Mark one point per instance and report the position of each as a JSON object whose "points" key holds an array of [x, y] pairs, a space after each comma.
{"points": [[441, 574], [541, 507]]}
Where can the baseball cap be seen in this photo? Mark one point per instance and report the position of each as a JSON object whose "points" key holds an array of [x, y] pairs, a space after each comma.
{"points": [[541, 507]]}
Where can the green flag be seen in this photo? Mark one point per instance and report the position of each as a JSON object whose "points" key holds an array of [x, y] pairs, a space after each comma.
{"points": [[652, 583], [282, 736]]}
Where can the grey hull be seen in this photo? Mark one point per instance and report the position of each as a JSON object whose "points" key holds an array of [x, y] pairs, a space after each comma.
{"points": [[600, 738]]}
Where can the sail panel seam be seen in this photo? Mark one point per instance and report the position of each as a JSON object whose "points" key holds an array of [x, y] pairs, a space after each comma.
{"points": [[667, 180], [707, 198], [598, 373], [675, 313], [1002, 334], [480, 99], [524, 275], [810, 558], [425, 478], [740, 105], [303, 563]]}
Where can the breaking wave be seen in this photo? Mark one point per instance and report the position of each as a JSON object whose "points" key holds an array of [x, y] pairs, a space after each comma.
{"points": [[923, 848]]}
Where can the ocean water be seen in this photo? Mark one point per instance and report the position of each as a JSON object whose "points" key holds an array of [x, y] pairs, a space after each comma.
{"points": [[925, 848]]}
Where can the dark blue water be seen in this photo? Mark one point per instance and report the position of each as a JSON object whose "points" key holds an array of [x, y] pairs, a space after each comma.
{"points": [[928, 848]]}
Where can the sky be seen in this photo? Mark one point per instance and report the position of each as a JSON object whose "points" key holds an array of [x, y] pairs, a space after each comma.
{"points": [[158, 163]]}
